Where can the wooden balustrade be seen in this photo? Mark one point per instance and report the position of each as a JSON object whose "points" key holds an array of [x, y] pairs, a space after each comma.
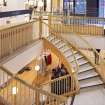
{"points": [[72, 74], [81, 25], [14, 37], [64, 85], [25, 93]]}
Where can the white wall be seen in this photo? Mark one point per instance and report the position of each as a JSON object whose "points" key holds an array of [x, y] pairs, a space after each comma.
{"points": [[13, 5], [48, 5]]}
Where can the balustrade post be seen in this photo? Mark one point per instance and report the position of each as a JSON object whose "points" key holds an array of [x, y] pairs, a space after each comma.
{"points": [[40, 26], [40, 23], [37, 98], [49, 23]]}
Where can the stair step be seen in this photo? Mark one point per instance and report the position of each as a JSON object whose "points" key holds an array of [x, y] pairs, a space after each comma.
{"points": [[77, 56], [71, 55], [61, 44], [81, 62], [50, 38], [90, 82], [85, 67], [68, 53], [93, 86], [56, 41], [87, 74], [64, 49]]}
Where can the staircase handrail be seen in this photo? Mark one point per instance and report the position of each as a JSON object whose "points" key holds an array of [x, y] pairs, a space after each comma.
{"points": [[90, 46], [16, 24], [66, 82], [61, 98], [54, 33], [60, 14], [75, 72], [56, 79]]}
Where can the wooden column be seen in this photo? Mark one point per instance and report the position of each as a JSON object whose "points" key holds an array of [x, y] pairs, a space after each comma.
{"points": [[40, 26]]}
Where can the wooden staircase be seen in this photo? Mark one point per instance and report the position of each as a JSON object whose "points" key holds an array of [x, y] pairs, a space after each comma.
{"points": [[88, 77]]}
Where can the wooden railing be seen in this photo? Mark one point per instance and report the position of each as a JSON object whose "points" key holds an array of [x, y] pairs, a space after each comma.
{"points": [[14, 37], [51, 31], [72, 70], [64, 85], [78, 42], [23, 93], [91, 26]]}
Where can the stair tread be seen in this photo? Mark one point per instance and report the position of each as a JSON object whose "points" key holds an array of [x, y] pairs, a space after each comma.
{"points": [[85, 67], [80, 63], [68, 53], [60, 45], [64, 49], [49, 38], [87, 74], [77, 56], [90, 81], [69, 56], [92, 86], [56, 41]]}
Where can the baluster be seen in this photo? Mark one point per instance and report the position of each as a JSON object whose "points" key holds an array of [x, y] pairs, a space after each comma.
{"points": [[4, 44], [59, 87], [71, 84], [20, 94], [49, 100], [3, 85], [20, 37], [0, 45], [18, 41], [66, 84], [33, 102], [29, 96], [13, 40], [7, 86], [56, 86], [24, 35]]}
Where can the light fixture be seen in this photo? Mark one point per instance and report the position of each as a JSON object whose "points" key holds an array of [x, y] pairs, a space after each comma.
{"points": [[37, 67], [14, 90]]}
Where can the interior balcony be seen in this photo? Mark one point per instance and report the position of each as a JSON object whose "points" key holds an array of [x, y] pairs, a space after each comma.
{"points": [[21, 48]]}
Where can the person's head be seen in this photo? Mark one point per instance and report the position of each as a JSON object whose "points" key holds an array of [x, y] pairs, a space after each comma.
{"points": [[62, 66], [53, 70]]}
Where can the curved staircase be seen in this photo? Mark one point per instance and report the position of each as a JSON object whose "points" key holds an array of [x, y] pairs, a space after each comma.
{"points": [[90, 82]]}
